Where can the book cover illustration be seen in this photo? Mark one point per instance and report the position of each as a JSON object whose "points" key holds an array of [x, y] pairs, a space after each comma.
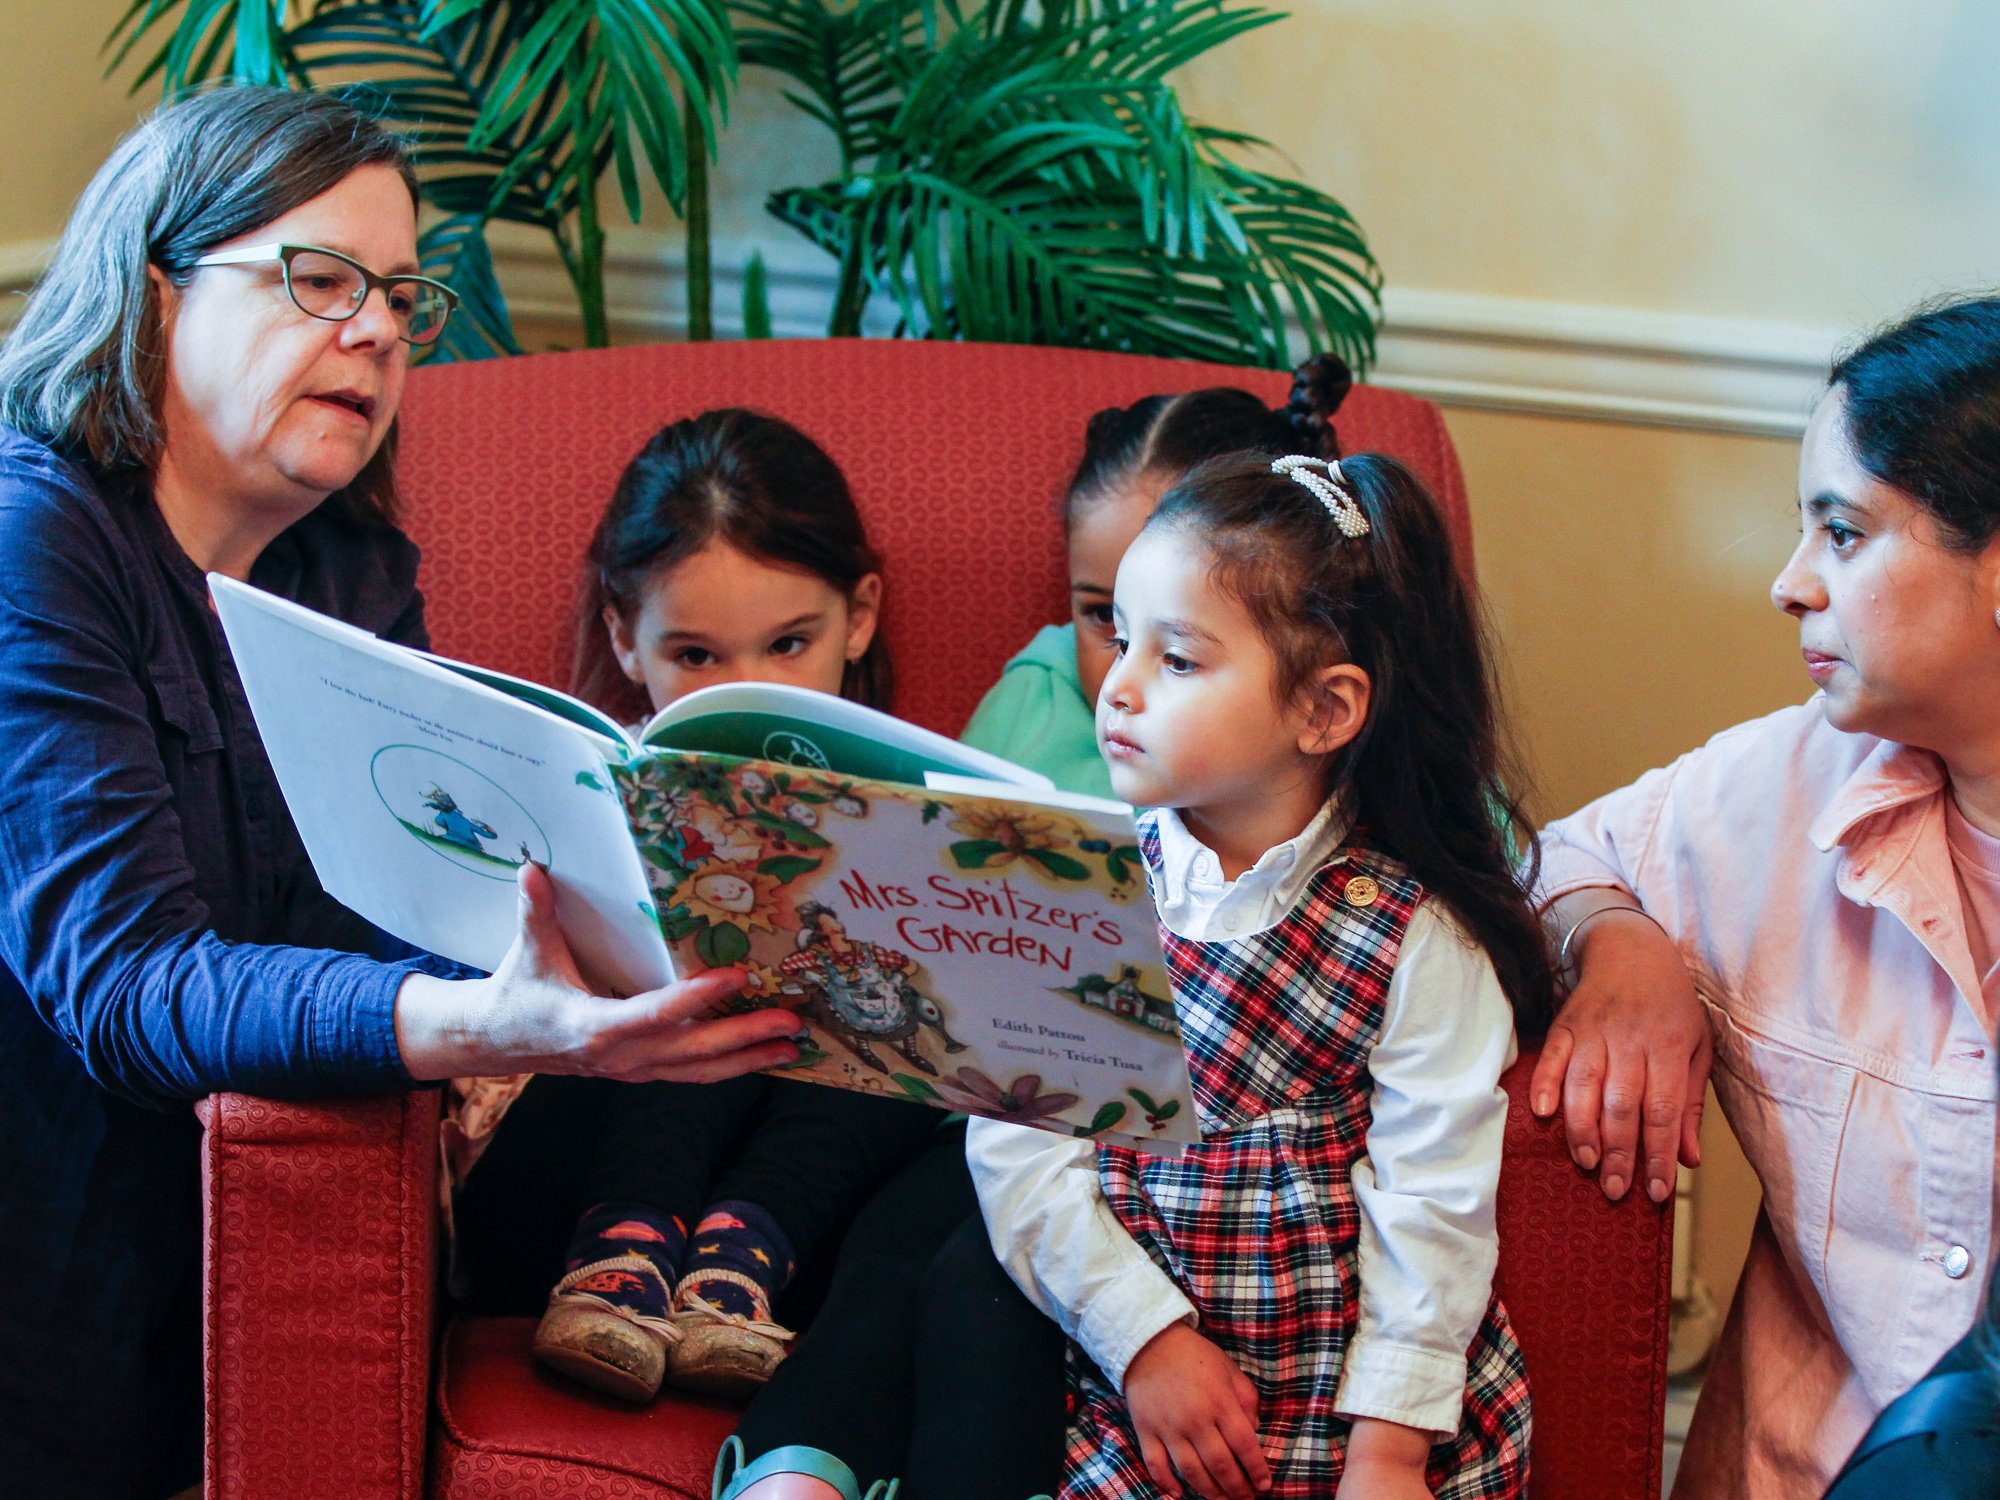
{"points": [[859, 905]]}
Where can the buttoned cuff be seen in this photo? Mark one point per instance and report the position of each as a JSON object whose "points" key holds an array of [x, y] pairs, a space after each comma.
{"points": [[1417, 1387], [1141, 1303]]}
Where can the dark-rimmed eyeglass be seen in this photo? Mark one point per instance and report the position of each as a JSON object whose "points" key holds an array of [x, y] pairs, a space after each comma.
{"points": [[326, 284]]}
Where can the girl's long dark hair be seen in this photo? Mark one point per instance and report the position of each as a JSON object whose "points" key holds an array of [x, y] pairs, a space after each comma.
{"points": [[737, 476], [1425, 777]]}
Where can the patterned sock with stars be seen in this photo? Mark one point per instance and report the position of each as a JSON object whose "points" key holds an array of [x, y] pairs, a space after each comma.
{"points": [[619, 1227], [738, 1236]]}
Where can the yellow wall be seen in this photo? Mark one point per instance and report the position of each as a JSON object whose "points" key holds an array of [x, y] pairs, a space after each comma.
{"points": [[1822, 161], [1626, 570], [58, 116]]}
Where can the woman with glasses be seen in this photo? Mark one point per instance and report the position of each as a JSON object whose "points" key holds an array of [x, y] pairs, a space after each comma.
{"points": [[206, 381]]}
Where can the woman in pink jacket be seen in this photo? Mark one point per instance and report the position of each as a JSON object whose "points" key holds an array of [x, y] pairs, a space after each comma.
{"points": [[1828, 879]]}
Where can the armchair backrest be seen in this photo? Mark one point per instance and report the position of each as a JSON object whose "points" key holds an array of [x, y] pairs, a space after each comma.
{"points": [[957, 455]]}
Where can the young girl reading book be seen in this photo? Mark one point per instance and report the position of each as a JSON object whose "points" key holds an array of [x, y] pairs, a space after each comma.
{"points": [[731, 552], [1302, 1304], [1040, 714]]}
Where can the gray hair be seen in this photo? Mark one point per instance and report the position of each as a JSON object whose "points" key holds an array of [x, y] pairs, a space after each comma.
{"points": [[85, 368]]}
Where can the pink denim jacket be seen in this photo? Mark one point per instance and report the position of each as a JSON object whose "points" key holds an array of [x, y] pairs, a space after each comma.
{"points": [[1804, 874]]}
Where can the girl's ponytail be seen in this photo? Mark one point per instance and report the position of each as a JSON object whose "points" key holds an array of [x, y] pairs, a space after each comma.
{"points": [[1318, 387], [1427, 776]]}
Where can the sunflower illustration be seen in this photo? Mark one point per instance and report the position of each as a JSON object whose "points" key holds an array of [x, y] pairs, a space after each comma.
{"points": [[726, 893], [1016, 832], [995, 838]]}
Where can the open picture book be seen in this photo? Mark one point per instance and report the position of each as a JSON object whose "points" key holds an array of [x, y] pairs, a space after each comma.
{"points": [[946, 926]]}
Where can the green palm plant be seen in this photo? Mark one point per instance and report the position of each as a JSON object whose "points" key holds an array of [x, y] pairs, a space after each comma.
{"points": [[517, 110], [1023, 172]]}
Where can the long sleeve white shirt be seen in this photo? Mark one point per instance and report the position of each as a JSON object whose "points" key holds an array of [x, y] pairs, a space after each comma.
{"points": [[1425, 1186]]}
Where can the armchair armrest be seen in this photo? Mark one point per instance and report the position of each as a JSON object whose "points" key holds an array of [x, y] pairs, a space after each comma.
{"points": [[319, 1264], [1588, 1286]]}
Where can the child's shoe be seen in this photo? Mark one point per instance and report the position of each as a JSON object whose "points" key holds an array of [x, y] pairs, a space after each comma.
{"points": [[737, 1259], [719, 1352], [733, 1476], [609, 1320], [606, 1326]]}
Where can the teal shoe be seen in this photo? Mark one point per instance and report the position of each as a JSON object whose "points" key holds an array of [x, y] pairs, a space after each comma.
{"points": [[733, 1476]]}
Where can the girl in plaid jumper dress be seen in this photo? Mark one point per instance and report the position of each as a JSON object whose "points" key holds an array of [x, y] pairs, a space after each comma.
{"points": [[1302, 1304]]}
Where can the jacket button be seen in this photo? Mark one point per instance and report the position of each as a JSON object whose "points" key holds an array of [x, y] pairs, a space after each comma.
{"points": [[253, 808], [1957, 1261]]}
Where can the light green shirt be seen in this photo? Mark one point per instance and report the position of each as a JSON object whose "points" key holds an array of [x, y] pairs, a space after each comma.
{"points": [[1036, 716]]}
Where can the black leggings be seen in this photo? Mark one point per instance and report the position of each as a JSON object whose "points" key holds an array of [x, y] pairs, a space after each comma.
{"points": [[806, 1154], [919, 1358], [925, 1361]]}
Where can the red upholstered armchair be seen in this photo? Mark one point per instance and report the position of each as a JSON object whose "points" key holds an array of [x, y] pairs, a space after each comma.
{"points": [[326, 1373]]}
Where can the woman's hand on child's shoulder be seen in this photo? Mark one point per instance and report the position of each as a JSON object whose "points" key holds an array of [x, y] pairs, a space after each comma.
{"points": [[1385, 1461], [1628, 1055], [1196, 1416]]}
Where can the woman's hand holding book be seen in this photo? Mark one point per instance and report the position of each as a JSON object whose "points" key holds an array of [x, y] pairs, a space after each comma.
{"points": [[536, 1013]]}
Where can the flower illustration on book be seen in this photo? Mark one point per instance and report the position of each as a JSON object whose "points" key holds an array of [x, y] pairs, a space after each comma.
{"points": [[1021, 1102], [721, 893], [997, 838], [712, 834]]}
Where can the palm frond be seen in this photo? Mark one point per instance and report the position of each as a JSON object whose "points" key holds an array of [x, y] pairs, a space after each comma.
{"points": [[243, 42], [1028, 176], [454, 250], [844, 60]]}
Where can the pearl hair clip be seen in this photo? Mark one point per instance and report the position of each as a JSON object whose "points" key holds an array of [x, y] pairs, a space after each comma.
{"points": [[1331, 491]]}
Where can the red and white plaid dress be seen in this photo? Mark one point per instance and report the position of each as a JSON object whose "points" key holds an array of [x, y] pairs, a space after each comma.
{"points": [[1258, 1224]]}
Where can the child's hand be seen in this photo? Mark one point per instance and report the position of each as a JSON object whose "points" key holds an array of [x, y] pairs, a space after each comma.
{"points": [[1385, 1461], [1195, 1413]]}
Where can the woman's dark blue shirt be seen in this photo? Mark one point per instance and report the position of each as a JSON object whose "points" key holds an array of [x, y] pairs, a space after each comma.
{"points": [[162, 936]]}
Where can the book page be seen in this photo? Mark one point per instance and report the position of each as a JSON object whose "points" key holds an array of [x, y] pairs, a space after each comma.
{"points": [[419, 793], [816, 731], [973, 952], [575, 710]]}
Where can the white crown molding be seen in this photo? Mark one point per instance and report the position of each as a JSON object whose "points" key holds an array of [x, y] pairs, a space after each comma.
{"points": [[1652, 369], [1649, 369]]}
